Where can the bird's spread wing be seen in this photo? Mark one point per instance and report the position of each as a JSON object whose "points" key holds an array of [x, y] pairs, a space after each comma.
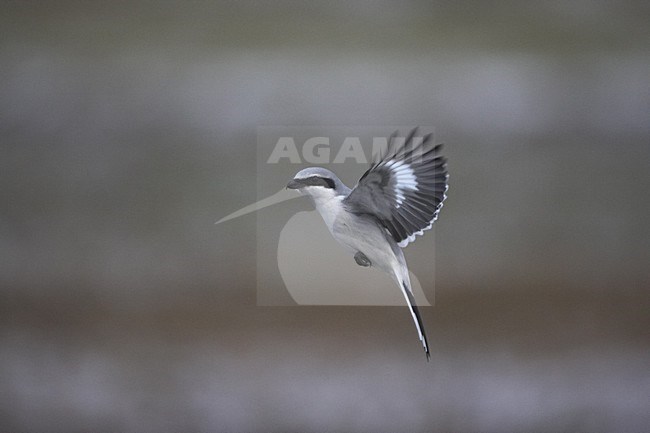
{"points": [[405, 189]]}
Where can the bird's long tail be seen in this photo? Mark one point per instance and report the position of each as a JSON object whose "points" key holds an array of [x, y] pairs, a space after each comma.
{"points": [[410, 300]]}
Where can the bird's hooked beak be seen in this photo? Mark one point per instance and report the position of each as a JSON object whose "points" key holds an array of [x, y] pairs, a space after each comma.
{"points": [[294, 184]]}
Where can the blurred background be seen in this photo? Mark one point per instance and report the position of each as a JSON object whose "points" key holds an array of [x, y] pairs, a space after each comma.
{"points": [[128, 128]]}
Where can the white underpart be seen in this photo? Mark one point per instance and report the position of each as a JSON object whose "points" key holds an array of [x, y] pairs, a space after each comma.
{"points": [[405, 179], [327, 203]]}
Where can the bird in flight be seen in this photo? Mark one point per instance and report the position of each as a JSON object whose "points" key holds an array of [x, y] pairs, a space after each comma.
{"points": [[397, 198]]}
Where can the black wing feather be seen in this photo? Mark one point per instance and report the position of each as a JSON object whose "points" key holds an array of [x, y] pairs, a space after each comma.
{"points": [[405, 189]]}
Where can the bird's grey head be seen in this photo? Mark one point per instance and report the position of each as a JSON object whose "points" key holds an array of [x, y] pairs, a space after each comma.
{"points": [[317, 180]]}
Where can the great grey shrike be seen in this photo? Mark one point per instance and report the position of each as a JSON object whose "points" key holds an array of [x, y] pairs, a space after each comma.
{"points": [[398, 198]]}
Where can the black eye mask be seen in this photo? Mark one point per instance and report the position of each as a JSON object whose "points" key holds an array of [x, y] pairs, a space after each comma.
{"points": [[318, 181]]}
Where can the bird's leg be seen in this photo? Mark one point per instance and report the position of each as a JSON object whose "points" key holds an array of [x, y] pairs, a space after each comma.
{"points": [[361, 259]]}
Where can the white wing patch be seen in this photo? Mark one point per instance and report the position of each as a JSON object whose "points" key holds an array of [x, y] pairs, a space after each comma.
{"points": [[411, 238], [404, 177], [405, 190]]}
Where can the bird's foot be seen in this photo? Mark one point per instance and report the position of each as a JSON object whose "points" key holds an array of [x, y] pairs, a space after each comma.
{"points": [[361, 259]]}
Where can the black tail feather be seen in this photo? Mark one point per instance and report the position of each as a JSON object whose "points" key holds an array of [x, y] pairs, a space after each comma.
{"points": [[418, 319]]}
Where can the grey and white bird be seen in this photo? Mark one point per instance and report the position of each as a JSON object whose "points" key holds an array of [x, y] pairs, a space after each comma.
{"points": [[398, 198]]}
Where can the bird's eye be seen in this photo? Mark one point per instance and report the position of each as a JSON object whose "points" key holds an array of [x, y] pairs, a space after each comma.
{"points": [[329, 183]]}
